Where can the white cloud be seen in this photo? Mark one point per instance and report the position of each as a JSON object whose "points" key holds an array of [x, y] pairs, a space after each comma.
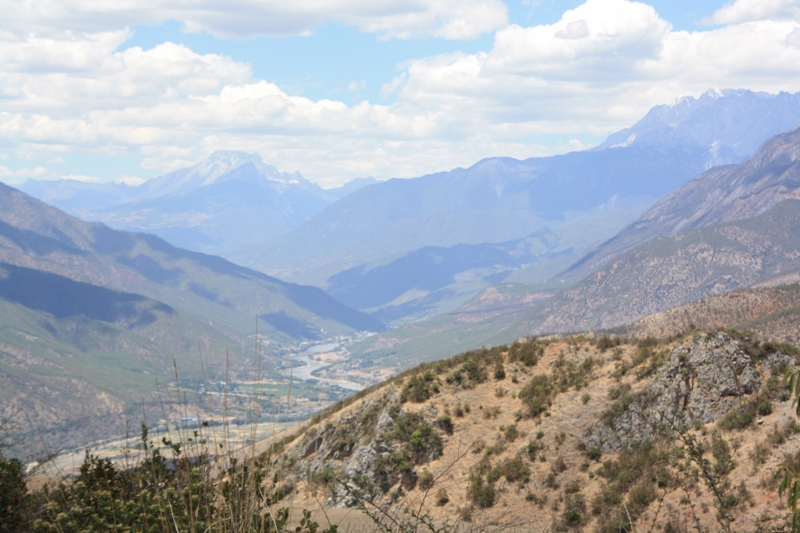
{"points": [[598, 69], [6, 172], [448, 19], [622, 60], [793, 39], [357, 86], [754, 10]]}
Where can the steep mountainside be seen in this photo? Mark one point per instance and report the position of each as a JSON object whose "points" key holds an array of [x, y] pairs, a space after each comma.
{"points": [[230, 200], [37, 236], [502, 199], [719, 195], [436, 279], [563, 434], [672, 271], [773, 313], [654, 277]]}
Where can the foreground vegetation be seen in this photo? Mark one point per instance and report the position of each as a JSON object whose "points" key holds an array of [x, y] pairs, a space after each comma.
{"points": [[684, 478]]}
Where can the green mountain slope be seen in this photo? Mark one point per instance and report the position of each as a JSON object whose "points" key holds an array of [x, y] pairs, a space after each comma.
{"points": [[37, 236], [72, 352], [93, 319]]}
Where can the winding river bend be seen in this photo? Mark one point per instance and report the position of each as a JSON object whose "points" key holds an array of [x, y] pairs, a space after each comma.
{"points": [[309, 366]]}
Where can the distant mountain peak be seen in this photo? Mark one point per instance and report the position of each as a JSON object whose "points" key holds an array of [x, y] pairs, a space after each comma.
{"points": [[223, 161], [729, 124], [220, 166]]}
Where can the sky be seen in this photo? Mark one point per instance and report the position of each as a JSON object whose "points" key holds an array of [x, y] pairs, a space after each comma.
{"points": [[126, 90]]}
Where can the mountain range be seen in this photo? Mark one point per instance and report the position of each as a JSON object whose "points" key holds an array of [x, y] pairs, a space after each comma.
{"points": [[94, 318], [230, 200], [439, 239], [729, 228], [436, 240], [501, 250]]}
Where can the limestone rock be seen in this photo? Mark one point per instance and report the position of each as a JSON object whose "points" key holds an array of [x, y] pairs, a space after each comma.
{"points": [[702, 380]]}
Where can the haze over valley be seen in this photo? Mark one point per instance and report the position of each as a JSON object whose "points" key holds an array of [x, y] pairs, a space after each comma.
{"points": [[535, 274]]}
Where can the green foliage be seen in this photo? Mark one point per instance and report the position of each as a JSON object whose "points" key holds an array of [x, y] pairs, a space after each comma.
{"points": [[511, 433], [623, 398], [499, 371], [631, 482], [14, 499], [758, 350], [475, 372], [533, 449], [528, 353], [152, 497], [568, 374], [445, 423], [788, 473], [537, 395], [513, 470], [420, 387], [423, 441], [481, 493], [743, 415], [401, 461], [604, 343]]}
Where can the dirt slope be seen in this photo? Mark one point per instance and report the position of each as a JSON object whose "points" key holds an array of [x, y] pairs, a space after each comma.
{"points": [[557, 434]]}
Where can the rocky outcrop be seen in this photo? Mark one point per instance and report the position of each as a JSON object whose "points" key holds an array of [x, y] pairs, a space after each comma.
{"points": [[701, 381], [362, 450]]}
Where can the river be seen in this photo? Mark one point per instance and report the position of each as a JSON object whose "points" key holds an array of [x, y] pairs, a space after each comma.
{"points": [[309, 366]]}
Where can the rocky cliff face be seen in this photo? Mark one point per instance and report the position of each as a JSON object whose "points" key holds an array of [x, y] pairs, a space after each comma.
{"points": [[701, 381]]}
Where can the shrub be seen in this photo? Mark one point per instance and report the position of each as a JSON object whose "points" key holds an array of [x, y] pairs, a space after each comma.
{"points": [[764, 408], [512, 469], [528, 353], [426, 480], [533, 450], [635, 473], [420, 388], [424, 442], [475, 372], [536, 395], [13, 497], [604, 343], [511, 433], [594, 454], [499, 371], [481, 493], [585, 398], [442, 498], [445, 423], [567, 374]]}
